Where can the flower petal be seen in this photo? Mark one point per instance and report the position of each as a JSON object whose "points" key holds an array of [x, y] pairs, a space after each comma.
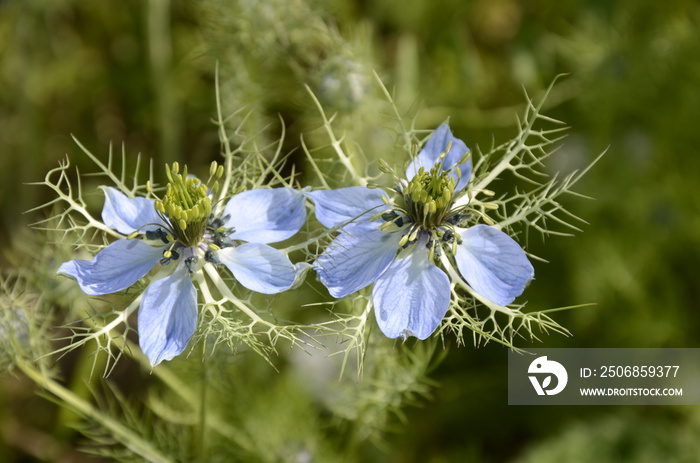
{"points": [[259, 267], [437, 144], [356, 258], [493, 264], [300, 271], [167, 316], [116, 267], [126, 214], [266, 216], [411, 297], [334, 207]]}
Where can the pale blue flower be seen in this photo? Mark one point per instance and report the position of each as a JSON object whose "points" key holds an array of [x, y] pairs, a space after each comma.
{"points": [[394, 243], [238, 239]]}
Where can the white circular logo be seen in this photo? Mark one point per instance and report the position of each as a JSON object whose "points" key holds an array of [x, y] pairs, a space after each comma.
{"points": [[545, 369]]}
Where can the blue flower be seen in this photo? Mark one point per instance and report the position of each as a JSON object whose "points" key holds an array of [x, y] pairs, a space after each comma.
{"points": [[181, 230], [393, 241]]}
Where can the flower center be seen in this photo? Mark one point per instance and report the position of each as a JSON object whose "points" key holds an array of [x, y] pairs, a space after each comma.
{"points": [[424, 207], [186, 206], [428, 196]]}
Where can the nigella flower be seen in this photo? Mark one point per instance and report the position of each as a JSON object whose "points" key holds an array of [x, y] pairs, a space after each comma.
{"points": [[395, 240], [179, 234]]}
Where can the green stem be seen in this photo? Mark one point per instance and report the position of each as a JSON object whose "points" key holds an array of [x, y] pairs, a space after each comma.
{"points": [[121, 433], [160, 52], [335, 143], [216, 279], [204, 380], [214, 422], [226, 143]]}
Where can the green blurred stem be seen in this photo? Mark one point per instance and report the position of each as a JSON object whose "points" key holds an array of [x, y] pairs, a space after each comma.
{"points": [[203, 378], [228, 152], [160, 51], [184, 390], [335, 142], [121, 433], [86, 365]]}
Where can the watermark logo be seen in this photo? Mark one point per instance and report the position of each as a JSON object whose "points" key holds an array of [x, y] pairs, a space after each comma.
{"points": [[604, 376], [545, 369]]}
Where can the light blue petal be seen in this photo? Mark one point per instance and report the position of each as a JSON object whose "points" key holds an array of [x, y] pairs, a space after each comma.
{"points": [[411, 297], [167, 316], [300, 270], [266, 216], [356, 258], [334, 207], [116, 267], [493, 264], [259, 267], [437, 144], [126, 214]]}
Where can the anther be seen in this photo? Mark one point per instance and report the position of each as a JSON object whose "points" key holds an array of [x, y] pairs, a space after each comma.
{"points": [[388, 216], [449, 147], [210, 256], [384, 167], [415, 195], [191, 263], [447, 194]]}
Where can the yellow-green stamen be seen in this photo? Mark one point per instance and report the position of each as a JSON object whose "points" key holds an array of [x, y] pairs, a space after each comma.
{"points": [[428, 196], [424, 209], [186, 206]]}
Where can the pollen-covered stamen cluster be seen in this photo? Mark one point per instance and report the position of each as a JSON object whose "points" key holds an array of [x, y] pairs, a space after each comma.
{"points": [[428, 196], [425, 206], [186, 206]]}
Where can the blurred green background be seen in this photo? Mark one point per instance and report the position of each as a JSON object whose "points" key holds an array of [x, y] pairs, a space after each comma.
{"points": [[142, 73]]}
